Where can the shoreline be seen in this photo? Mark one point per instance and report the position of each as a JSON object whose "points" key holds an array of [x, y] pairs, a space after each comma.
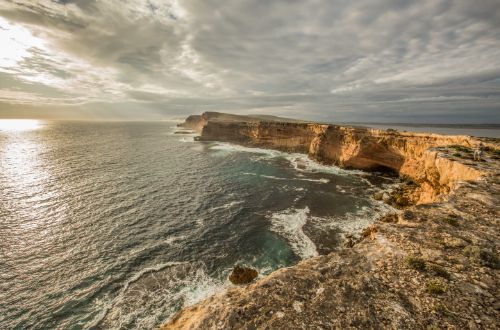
{"points": [[396, 253]]}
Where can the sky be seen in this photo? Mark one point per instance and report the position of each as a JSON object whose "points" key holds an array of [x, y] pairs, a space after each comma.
{"points": [[426, 61]]}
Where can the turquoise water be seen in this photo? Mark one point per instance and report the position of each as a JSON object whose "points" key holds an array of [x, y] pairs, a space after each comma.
{"points": [[119, 225]]}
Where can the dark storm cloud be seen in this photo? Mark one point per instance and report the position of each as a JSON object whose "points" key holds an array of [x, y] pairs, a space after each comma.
{"points": [[317, 59]]}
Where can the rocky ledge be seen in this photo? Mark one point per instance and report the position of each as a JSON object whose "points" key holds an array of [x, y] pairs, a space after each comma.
{"points": [[433, 265]]}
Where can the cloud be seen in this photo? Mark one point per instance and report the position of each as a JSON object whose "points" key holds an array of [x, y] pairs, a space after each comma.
{"points": [[316, 59]]}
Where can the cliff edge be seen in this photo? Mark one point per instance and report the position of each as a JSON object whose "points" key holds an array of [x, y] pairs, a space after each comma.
{"points": [[433, 265]]}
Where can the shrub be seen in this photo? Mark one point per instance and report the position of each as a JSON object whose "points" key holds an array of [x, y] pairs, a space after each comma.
{"points": [[439, 271], [452, 221], [489, 259], [495, 152], [416, 263], [472, 251], [441, 309], [436, 287]]}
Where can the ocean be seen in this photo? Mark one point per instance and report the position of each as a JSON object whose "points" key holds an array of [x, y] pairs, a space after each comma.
{"points": [[121, 224]]}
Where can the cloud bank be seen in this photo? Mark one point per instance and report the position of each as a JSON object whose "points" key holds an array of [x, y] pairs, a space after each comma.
{"points": [[384, 60]]}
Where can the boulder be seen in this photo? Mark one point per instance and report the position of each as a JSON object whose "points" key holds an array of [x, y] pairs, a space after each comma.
{"points": [[386, 197], [378, 195], [242, 275]]}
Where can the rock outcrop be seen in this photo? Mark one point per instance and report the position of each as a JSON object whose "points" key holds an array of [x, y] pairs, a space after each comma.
{"points": [[242, 275], [432, 266]]}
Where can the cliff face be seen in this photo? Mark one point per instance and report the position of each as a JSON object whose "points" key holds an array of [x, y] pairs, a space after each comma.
{"points": [[194, 122], [408, 154]]}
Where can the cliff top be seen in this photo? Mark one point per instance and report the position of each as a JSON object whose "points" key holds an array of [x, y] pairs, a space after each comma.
{"points": [[232, 118], [228, 117]]}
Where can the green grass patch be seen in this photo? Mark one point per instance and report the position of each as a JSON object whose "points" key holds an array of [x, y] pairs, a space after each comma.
{"points": [[436, 286], [461, 148]]}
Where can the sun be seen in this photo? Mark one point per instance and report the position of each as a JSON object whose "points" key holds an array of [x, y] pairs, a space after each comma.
{"points": [[16, 125], [16, 41]]}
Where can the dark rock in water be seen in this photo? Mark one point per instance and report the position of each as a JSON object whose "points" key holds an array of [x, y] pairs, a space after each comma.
{"points": [[242, 275]]}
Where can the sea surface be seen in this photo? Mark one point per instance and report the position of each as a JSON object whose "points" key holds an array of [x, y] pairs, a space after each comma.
{"points": [[120, 224]]}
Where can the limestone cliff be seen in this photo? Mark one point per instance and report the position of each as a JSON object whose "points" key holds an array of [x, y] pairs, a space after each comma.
{"points": [[408, 154]]}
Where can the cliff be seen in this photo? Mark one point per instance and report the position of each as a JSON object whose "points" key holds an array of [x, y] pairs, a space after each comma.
{"points": [[433, 265], [411, 155]]}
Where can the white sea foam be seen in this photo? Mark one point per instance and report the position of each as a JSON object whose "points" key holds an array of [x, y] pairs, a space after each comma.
{"points": [[188, 138], [322, 180], [187, 135], [177, 130], [151, 296], [353, 222], [289, 224], [300, 162], [204, 288], [229, 147], [175, 239], [106, 309], [225, 206]]}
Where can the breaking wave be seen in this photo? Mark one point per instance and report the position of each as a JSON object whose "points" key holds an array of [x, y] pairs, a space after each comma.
{"points": [[151, 296], [322, 180], [225, 206], [289, 224]]}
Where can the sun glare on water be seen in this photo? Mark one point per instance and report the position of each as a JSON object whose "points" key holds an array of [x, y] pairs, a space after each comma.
{"points": [[16, 125]]}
